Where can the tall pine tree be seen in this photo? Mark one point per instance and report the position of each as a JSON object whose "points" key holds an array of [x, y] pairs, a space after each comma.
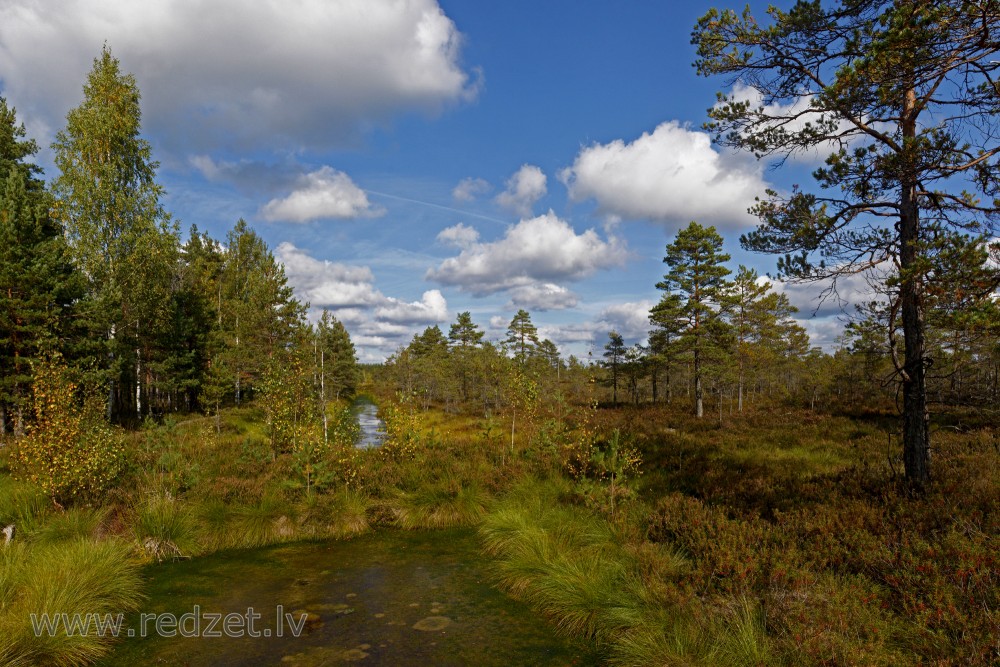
{"points": [[698, 275]]}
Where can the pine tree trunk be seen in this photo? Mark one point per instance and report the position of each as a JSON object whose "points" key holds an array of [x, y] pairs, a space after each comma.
{"points": [[739, 401], [699, 408], [916, 436]]}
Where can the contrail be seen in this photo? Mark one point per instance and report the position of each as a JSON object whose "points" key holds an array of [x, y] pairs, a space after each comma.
{"points": [[440, 206]]}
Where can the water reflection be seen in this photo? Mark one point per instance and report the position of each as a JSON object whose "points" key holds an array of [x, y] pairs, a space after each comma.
{"points": [[372, 428]]}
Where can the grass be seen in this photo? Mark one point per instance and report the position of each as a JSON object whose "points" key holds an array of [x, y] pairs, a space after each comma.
{"points": [[780, 539], [777, 541], [76, 523], [164, 528], [75, 577]]}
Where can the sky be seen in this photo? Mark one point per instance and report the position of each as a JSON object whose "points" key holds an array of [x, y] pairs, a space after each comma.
{"points": [[408, 160]]}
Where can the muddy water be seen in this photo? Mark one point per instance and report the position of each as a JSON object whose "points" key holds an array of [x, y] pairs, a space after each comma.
{"points": [[392, 598]]}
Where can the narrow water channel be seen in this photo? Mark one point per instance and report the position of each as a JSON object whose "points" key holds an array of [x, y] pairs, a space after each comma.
{"points": [[372, 427], [390, 598]]}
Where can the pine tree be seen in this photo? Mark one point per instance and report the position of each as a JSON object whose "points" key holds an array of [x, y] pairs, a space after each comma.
{"points": [[522, 336], [464, 333], [258, 313], [614, 352], [464, 337], [902, 97], [667, 318], [698, 276]]}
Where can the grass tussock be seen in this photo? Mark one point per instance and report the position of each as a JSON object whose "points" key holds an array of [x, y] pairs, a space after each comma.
{"points": [[164, 528], [75, 577], [75, 523]]}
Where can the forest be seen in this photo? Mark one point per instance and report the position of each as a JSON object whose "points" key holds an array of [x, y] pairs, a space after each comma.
{"points": [[720, 493]]}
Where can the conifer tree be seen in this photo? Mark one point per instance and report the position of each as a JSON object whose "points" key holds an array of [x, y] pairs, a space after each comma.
{"points": [[698, 276], [522, 336], [38, 286], [902, 97], [614, 353]]}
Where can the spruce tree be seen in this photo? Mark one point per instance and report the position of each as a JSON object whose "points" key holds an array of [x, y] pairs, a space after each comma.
{"points": [[38, 286]]}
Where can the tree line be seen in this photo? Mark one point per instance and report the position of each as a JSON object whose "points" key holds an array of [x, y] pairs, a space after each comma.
{"points": [[94, 276]]}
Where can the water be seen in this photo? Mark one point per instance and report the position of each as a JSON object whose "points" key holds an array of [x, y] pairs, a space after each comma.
{"points": [[372, 428], [391, 598]]}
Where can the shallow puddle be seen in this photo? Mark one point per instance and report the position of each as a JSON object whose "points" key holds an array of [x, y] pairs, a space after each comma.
{"points": [[392, 598]]}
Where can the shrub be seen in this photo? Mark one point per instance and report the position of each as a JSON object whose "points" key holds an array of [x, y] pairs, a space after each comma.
{"points": [[70, 451]]}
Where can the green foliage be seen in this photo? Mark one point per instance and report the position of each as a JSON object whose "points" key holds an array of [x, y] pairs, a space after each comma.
{"points": [[23, 504], [698, 276], [119, 234], [402, 434], [76, 523], [259, 316], [901, 99], [612, 466], [164, 528], [74, 577], [38, 283], [70, 451], [522, 336]]}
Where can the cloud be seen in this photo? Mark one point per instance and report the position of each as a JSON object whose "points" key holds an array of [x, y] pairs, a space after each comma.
{"points": [[323, 194], [329, 284], [536, 252], [542, 296], [673, 174], [251, 177], [524, 188], [377, 323], [431, 309], [458, 235], [469, 189], [829, 298], [799, 115], [630, 319], [230, 73]]}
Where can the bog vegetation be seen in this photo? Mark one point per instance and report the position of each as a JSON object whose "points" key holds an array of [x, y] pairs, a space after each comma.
{"points": [[724, 494]]}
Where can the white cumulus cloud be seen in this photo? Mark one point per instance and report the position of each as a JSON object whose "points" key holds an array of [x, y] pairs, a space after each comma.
{"points": [[431, 309], [536, 251], [324, 283], [542, 296], [377, 323], [228, 72], [671, 174], [630, 319], [323, 194], [524, 188]]}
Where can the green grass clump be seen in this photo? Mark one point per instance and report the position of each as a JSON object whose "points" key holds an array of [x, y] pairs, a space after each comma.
{"points": [[75, 577], [444, 504], [165, 528], [74, 524], [22, 504]]}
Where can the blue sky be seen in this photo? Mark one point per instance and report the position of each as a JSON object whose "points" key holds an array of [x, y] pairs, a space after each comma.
{"points": [[409, 160]]}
